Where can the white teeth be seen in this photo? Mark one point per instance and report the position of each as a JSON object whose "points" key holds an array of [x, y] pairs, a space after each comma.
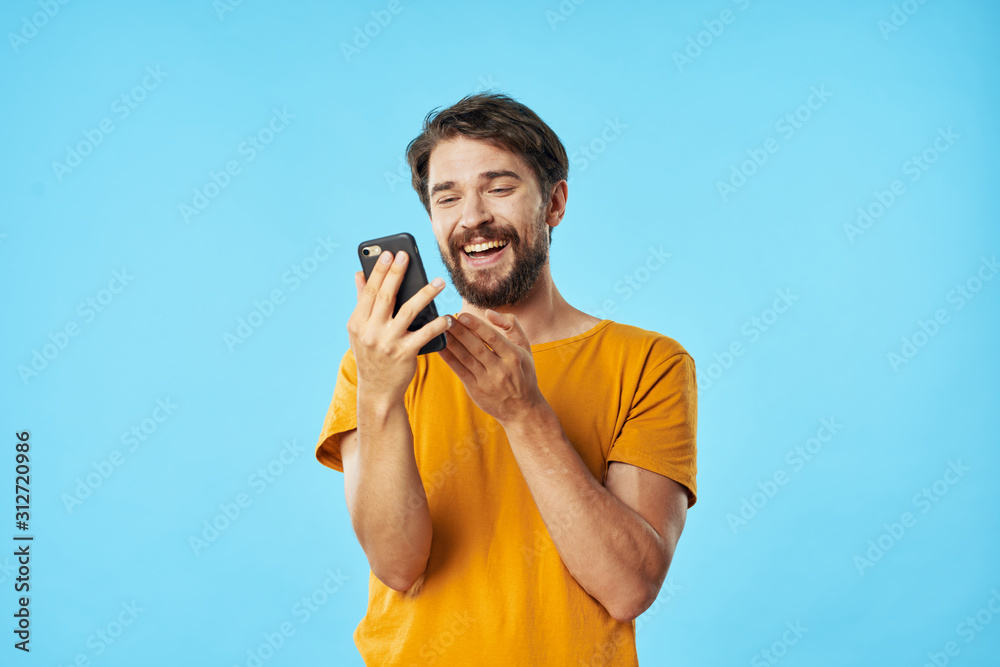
{"points": [[479, 247]]}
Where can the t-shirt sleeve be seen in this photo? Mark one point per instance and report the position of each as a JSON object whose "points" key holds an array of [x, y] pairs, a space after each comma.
{"points": [[659, 433], [342, 415]]}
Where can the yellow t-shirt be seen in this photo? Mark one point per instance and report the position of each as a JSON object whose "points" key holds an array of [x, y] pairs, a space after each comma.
{"points": [[495, 591]]}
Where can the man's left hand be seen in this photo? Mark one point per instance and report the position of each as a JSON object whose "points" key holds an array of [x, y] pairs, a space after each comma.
{"points": [[494, 363]]}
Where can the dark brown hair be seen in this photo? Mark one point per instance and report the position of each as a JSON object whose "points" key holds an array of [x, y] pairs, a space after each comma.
{"points": [[497, 119]]}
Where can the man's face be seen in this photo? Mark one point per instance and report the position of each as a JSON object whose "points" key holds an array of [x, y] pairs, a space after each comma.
{"points": [[483, 194]]}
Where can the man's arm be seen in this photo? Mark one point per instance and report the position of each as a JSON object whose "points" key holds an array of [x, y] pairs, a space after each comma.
{"points": [[616, 540], [385, 497]]}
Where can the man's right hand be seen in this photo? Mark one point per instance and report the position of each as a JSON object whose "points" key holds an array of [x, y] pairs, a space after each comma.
{"points": [[385, 351]]}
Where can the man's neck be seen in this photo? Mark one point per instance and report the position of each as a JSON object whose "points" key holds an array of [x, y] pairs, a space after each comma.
{"points": [[544, 314]]}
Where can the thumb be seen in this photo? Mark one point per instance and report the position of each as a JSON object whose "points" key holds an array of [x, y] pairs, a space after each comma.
{"points": [[359, 282], [510, 326], [504, 321]]}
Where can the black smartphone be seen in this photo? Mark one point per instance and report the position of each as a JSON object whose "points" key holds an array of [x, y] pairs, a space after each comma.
{"points": [[414, 279]]}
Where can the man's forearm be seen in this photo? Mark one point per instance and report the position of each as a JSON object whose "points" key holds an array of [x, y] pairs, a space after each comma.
{"points": [[389, 513], [611, 551]]}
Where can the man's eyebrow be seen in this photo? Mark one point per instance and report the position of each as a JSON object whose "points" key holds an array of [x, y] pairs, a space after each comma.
{"points": [[490, 175], [484, 176]]}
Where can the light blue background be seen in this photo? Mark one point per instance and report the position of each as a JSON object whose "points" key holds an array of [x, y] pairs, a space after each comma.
{"points": [[332, 174]]}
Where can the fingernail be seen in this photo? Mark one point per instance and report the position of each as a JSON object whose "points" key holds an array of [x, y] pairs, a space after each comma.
{"points": [[400, 257], [438, 282], [463, 318], [385, 257]]}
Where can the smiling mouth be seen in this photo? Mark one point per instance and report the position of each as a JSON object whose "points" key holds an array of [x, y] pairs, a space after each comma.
{"points": [[477, 250]]}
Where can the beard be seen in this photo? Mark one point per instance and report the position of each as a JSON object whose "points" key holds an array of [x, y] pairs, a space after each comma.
{"points": [[483, 288]]}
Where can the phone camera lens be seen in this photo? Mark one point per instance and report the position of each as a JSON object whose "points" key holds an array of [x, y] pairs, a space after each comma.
{"points": [[365, 252]]}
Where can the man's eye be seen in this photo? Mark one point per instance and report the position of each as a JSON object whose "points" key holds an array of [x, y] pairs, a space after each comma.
{"points": [[501, 189], [447, 200]]}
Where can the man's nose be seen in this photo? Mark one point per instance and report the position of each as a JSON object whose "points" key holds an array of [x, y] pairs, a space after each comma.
{"points": [[475, 211]]}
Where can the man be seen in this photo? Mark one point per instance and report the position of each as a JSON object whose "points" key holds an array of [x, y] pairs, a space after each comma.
{"points": [[519, 495]]}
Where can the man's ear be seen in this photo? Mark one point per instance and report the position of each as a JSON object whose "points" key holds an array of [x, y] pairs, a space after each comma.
{"points": [[557, 204]]}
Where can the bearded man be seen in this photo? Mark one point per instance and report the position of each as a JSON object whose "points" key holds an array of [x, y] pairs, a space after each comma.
{"points": [[519, 495]]}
